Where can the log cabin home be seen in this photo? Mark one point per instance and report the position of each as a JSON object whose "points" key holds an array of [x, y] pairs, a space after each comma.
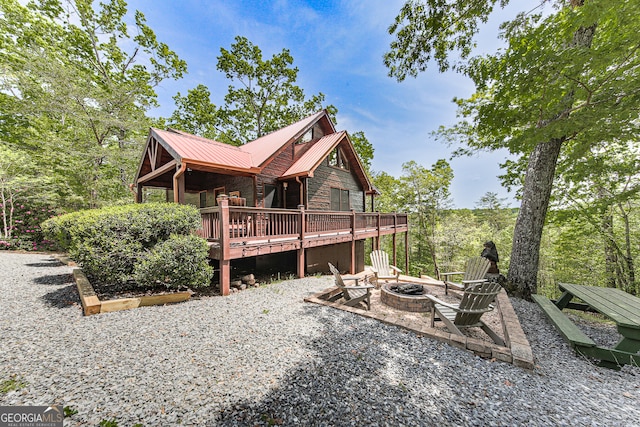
{"points": [[295, 197]]}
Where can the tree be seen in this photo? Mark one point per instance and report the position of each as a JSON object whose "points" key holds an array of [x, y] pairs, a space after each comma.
{"points": [[266, 98], [426, 195], [364, 148], [602, 191], [492, 210], [196, 114], [83, 84], [563, 83]]}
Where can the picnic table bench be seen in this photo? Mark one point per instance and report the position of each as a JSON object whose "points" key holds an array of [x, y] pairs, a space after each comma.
{"points": [[619, 306]]}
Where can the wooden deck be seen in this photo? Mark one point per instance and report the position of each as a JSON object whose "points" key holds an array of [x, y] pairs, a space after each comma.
{"points": [[258, 231], [235, 232]]}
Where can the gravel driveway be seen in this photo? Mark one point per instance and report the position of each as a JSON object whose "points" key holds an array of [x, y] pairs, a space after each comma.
{"points": [[264, 357]]}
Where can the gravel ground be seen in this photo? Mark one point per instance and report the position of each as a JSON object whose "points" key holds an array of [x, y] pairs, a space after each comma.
{"points": [[264, 357]]}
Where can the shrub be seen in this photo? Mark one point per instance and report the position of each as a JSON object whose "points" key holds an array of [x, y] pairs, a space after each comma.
{"points": [[24, 228], [109, 242], [180, 261]]}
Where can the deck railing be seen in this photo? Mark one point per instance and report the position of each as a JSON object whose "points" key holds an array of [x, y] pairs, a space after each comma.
{"points": [[258, 224]]}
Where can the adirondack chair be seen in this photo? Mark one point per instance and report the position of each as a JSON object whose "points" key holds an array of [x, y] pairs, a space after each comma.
{"points": [[381, 267], [474, 273], [476, 301], [352, 295]]}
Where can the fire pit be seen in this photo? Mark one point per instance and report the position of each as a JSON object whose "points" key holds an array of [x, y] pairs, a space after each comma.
{"points": [[394, 295]]}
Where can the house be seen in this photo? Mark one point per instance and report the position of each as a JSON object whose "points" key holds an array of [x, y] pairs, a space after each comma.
{"points": [[297, 196]]}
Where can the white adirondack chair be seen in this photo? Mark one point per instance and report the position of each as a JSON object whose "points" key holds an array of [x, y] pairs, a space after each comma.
{"points": [[381, 267]]}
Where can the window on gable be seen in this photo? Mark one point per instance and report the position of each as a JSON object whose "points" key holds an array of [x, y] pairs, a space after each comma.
{"points": [[308, 136], [337, 159], [340, 199]]}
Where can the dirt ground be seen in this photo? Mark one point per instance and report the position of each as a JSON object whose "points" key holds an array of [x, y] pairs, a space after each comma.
{"points": [[492, 318]]}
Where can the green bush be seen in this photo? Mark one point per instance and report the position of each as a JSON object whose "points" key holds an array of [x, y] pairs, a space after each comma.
{"points": [[109, 242], [180, 261]]}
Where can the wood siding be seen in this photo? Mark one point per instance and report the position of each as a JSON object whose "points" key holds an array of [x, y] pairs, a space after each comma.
{"points": [[325, 177]]}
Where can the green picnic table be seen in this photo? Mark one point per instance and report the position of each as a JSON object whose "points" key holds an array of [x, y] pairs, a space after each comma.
{"points": [[617, 305]]}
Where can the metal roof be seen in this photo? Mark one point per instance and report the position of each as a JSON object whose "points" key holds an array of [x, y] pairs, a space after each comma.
{"points": [[202, 150], [310, 160], [266, 146]]}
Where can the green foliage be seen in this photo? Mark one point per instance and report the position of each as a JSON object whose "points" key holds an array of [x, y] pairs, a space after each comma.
{"points": [[180, 261], [266, 98], [364, 148], [11, 384], [76, 88], [26, 233], [560, 92], [69, 411], [109, 242], [195, 113]]}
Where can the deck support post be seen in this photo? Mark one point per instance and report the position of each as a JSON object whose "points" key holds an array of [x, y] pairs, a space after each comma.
{"points": [[395, 227], [225, 277], [352, 265], [406, 252], [225, 262], [377, 238], [301, 231]]}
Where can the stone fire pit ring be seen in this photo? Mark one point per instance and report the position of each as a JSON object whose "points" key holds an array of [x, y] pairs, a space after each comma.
{"points": [[414, 303]]}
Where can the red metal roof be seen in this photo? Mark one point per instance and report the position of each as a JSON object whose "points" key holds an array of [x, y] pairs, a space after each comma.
{"points": [[310, 160], [266, 146], [202, 150]]}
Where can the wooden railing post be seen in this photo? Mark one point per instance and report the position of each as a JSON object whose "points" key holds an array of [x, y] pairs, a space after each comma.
{"points": [[301, 231], [395, 227], [378, 228], [225, 262], [352, 268]]}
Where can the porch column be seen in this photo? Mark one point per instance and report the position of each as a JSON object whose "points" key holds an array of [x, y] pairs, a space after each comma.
{"points": [[301, 230], [225, 262], [139, 193], [178, 184]]}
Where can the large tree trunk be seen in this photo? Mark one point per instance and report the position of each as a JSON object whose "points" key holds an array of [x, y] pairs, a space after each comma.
{"points": [[523, 268], [525, 254]]}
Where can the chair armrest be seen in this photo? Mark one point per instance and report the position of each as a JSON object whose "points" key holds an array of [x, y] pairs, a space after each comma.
{"points": [[435, 300], [354, 278], [452, 273], [360, 287], [375, 270], [393, 267], [473, 282]]}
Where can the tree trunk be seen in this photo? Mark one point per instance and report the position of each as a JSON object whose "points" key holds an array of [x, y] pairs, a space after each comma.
{"points": [[538, 183], [525, 254], [610, 250], [630, 277]]}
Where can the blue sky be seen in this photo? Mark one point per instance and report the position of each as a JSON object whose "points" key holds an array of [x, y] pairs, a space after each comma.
{"points": [[338, 47]]}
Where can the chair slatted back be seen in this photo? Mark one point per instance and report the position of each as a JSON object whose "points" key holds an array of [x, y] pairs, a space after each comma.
{"points": [[339, 281], [476, 301], [477, 268], [380, 262]]}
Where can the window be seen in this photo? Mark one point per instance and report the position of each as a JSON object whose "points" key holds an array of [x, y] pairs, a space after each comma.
{"points": [[339, 199], [337, 159], [308, 136]]}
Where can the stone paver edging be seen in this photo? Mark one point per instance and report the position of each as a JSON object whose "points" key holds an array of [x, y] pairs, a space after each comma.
{"points": [[517, 350]]}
